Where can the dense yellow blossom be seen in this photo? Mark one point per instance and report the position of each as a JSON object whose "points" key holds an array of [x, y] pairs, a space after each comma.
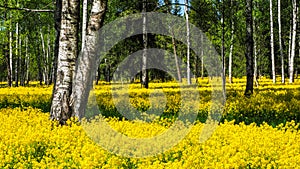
{"points": [[28, 139]]}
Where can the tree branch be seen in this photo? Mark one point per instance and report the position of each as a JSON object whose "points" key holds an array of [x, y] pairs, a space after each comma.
{"points": [[27, 9]]}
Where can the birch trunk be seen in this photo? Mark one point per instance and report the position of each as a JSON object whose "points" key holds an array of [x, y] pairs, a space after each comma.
{"points": [[49, 59], [17, 56], [86, 63], [231, 48], [21, 63], [293, 42], [188, 43], [231, 45], [223, 50], [44, 58], [255, 73], [27, 62], [290, 46], [11, 50], [67, 54], [280, 43], [272, 43], [84, 23], [145, 44]]}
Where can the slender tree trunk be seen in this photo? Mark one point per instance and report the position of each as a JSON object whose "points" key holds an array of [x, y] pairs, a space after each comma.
{"points": [[175, 56], [84, 23], [44, 58], [202, 58], [231, 52], [17, 56], [6, 54], [290, 46], [293, 45], [49, 59], [231, 42], [39, 59], [188, 43], [255, 62], [86, 63], [280, 43], [27, 61], [145, 43], [255, 73], [272, 43], [223, 48], [21, 63], [11, 50], [67, 54], [249, 48]]}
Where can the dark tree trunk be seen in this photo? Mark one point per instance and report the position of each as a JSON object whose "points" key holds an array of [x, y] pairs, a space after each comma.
{"points": [[6, 54], [57, 18], [249, 49]]}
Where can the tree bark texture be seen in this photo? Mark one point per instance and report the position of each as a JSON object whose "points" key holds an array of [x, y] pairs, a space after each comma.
{"points": [[249, 48], [87, 66], [67, 54], [272, 43], [293, 42]]}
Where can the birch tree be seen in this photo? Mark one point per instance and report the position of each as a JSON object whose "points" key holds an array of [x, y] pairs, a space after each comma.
{"points": [[293, 41], [144, 79], [280, 42], [272, 42], [67, 54], [231, 50], [84, 23], [81, 85], [73, 85], [188, 43]]}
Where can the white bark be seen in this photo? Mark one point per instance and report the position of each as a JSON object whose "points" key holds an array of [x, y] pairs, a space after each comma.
{"points": [[272, 43], [48, 60], [231, 51], [280, 42], [188, 43], [67, 54], [290, 46], [145, 43], [86, 61], [255, 52], [44, 58], [27, 61], [84, 23], [11, 49], [293, 42], [17, 56]]}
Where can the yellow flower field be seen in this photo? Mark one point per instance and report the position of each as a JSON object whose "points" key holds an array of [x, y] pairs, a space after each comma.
{"points": [[30, 140], [257, 132]]}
